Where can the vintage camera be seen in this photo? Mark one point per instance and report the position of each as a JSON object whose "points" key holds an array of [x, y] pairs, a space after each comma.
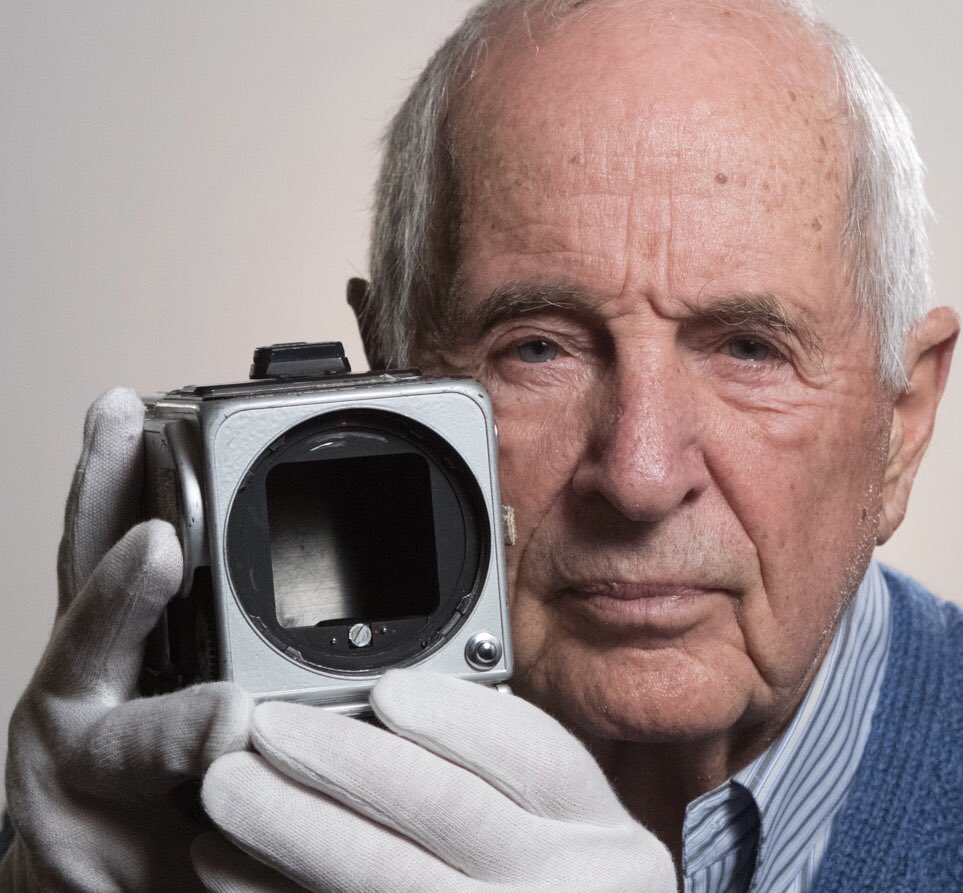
{"points": [[334, 526]]}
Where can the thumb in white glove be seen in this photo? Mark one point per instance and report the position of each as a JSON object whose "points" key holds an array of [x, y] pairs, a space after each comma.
{"points": [[476, 791], [90, 764]]}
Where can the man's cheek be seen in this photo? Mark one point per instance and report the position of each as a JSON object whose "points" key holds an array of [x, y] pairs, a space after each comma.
{"points": [[537, 458], [530, 490], [800, 493], [788, 476]]}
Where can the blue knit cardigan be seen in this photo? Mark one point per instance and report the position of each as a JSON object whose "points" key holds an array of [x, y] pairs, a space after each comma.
{"points": [[901, 828]]}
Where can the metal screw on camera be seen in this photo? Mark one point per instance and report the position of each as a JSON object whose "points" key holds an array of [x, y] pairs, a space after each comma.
{"points": [[360, 635], [483, 651]]}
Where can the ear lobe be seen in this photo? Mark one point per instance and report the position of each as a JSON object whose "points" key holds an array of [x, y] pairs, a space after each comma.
{"points": [[896, 484], [928, 355], [358, 299]]}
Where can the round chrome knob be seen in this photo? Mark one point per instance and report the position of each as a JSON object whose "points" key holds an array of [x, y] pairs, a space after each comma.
{"points": [[483, 651]]}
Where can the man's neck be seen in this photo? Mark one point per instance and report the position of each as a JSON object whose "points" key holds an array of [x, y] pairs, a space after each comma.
{"points": [[655, 782]]}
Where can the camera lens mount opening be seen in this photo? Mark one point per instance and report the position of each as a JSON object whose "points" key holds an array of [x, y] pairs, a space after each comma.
{"points": [[359, 540]]}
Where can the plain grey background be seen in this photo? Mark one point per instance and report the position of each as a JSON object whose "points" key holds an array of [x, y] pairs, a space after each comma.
{"points": [[182, 181]]}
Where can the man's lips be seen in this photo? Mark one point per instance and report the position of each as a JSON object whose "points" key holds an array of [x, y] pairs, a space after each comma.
{"points": [[654, 606], [631, 591]]}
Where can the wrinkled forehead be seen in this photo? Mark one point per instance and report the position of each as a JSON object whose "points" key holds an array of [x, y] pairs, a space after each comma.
{"points": [[680, 82], [651, 42]]}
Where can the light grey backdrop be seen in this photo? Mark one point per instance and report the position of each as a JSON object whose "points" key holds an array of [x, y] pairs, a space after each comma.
{"points": [[182, 181]]}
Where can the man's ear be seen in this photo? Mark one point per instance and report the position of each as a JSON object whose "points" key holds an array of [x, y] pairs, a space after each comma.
{"points": [[358, 301], [928, 354]]}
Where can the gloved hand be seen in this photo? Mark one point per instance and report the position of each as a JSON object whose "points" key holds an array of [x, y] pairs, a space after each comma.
{"points": [[90, 764], [476, 791]]}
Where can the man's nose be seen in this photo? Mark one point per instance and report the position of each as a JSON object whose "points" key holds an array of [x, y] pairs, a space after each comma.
{"points": [[645, 455]]}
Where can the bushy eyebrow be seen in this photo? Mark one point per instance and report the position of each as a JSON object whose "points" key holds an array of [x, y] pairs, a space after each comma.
{"points": [[467, 321], [751, 313], [748, 312]]}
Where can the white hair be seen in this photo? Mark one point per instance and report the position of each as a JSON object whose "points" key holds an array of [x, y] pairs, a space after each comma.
{"points": [[413, 248]]}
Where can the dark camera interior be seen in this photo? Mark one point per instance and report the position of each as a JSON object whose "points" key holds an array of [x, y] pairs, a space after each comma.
{"points": [[352, 538]]}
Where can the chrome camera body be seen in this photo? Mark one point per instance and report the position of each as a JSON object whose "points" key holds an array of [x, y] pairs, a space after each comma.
{"points": [[333, 526]]}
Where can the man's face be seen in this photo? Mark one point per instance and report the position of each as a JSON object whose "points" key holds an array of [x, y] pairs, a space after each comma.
{"points": [[692, 431]]}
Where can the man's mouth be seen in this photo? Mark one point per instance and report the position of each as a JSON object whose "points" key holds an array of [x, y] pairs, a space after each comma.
{"points": [[662, 608]]}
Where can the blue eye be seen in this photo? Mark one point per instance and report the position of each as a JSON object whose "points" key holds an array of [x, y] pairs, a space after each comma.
{"points": [[747, 349], [537, 351]]}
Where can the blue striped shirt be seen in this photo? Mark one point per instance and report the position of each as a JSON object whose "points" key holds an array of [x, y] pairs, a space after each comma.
{"points": [[767, 828]]}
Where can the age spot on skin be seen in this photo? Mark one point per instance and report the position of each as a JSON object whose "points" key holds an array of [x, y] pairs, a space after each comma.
{"points": [[721, 179], [816, 225]]}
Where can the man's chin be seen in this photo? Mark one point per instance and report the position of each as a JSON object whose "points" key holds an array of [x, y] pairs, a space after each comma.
{"points": [[648, 696]]}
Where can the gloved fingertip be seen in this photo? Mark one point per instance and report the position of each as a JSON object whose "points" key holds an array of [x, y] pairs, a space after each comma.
{"points": [[400, 684], [203, 844], [222, 785], [233, 712], [152, 547], [210, 855], [118, 404], [125, 595], [139, 574], [403, 693], [391, 698], [295, 737], [223, 868], [278, 727], [270, 716], [207, 852]]}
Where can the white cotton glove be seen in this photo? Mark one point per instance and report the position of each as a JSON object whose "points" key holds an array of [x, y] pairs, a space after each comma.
{"points": [[90, 764], [476, 791]]}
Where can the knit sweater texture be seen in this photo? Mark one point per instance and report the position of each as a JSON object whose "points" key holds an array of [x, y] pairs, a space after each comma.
{"points": [[901, 828]]}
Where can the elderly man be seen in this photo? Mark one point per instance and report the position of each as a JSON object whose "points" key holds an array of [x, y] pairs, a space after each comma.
{"points": [[681, 243]]}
